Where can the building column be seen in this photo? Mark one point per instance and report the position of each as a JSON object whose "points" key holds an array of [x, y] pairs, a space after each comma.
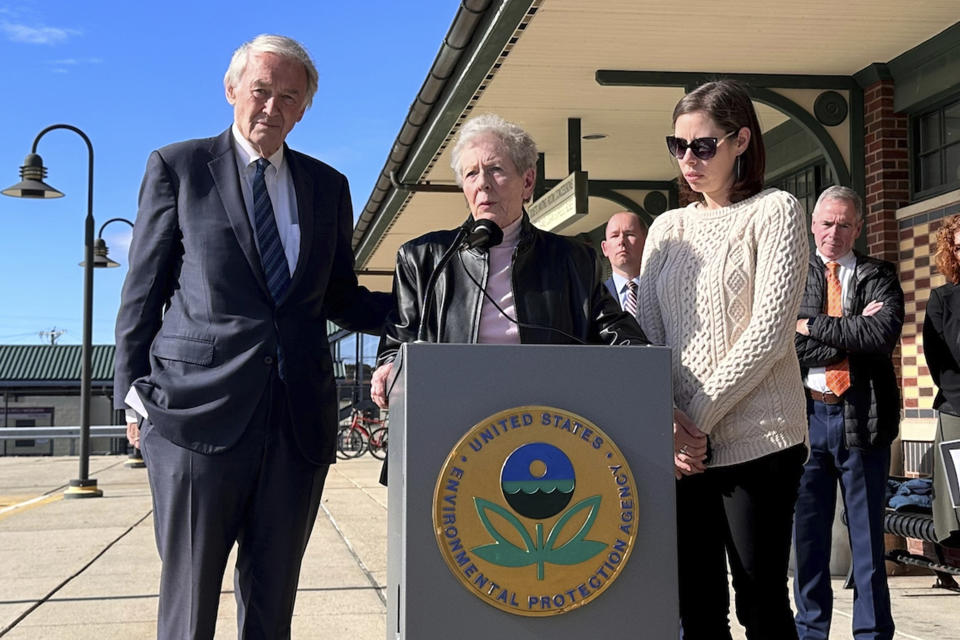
{"points": [[887, 169]]}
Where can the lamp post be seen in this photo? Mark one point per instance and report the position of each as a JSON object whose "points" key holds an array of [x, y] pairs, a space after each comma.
{"points": [[103, 261], [31, 185], [100, 258]]}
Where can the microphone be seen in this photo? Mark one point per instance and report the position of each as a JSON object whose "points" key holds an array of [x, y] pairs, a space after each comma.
{"points": [[484, 234]]}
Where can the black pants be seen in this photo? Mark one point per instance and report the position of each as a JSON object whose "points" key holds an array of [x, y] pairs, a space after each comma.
{"points": [[742, 514], [262, 494]]}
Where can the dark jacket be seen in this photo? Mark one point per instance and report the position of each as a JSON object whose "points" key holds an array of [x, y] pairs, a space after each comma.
{"points": [[872, 404], [941, 346], [556, 283], [198, 333]]}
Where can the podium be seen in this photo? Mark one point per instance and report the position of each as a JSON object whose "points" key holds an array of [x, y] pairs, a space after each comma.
{"points": [[446, 403]]}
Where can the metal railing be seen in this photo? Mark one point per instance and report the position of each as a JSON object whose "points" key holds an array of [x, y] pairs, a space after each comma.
{"points": [[42, 433]]}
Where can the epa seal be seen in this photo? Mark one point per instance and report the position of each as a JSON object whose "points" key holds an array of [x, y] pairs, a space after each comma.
{"points": [[534, 511]]}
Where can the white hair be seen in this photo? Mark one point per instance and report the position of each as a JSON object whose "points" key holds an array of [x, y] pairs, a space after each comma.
{"points": [[518, 144], [280, 45], [837, 192]]}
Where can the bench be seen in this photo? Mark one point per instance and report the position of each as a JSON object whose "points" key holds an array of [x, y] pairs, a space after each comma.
{"points": [[920, 526]]}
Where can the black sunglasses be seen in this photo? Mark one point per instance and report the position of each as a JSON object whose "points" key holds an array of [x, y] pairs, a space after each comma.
{"points": [[703, 148]]}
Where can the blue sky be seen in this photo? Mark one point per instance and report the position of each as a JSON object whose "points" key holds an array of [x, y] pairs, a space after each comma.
{"points": [[135, 77]]}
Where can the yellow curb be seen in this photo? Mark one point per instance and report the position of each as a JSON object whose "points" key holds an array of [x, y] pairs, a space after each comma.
{"points": [[19, 507]]}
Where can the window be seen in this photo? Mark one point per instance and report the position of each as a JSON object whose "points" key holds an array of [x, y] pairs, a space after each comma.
{"points": [[806, 185], [936, 150], [803, 185]]}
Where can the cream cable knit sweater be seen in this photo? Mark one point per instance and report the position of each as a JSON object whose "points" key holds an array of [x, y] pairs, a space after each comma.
{"points": [[722, 288]]}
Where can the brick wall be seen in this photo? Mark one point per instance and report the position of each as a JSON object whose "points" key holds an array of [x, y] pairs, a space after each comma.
{"points": [[918, 276], [887, 169]]}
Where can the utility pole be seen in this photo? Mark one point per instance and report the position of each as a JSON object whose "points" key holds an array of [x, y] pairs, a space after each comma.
{"points": [[54, 335]]}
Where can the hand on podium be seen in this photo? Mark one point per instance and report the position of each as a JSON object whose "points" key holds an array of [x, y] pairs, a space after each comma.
{"points": [[378, 385], [689, 446]]}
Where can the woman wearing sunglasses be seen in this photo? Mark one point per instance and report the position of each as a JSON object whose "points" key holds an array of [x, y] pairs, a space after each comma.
{"points": [[720, 283]]}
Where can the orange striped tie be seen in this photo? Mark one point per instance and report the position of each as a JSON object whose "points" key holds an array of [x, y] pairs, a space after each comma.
{"points": [[838, 374]]}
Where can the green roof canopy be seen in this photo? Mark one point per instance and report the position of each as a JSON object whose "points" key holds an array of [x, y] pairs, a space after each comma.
{"points": [[53, 363]]}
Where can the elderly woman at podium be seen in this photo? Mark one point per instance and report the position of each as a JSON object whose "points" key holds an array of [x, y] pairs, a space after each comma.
{"points": [[497, 279]]}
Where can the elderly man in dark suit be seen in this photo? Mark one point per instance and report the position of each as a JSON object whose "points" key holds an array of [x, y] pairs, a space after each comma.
{"points": [[849, 323], [240, 253]]}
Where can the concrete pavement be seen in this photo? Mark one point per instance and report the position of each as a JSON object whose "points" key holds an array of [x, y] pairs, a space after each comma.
{"points": [[79, 569], [76, 569]]}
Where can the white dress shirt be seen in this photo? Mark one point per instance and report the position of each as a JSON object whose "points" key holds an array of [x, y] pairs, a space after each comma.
{"points": [[283, 197], [280, 188]]}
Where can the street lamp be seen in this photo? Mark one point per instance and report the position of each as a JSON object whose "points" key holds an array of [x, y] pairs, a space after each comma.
{"points": [[31, 185], [102, 261], [100, 258]]}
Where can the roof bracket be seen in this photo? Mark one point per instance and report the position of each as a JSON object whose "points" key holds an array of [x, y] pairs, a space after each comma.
{"points": [[426, 187]]}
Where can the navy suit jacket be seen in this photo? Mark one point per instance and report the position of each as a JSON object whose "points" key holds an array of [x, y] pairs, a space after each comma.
{"points": [[198, 332], [612, 288]]}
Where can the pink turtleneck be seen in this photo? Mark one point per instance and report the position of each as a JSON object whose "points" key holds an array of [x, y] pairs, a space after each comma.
{"points": [[494, 326]]}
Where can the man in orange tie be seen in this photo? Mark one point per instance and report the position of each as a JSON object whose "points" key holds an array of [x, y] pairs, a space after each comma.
{"points": [[849, 324]]}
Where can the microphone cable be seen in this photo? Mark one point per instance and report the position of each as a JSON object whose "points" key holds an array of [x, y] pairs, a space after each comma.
{"points": [[524, 325]]}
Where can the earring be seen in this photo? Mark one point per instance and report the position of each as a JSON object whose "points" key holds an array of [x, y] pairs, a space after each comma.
{"points": [[738, 169]]}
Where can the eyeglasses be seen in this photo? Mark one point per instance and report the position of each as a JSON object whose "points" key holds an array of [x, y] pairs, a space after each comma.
{"points": [[703, 148]]}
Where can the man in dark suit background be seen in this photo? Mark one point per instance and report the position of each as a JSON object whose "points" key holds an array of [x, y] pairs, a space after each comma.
{"points": [[623, 243], [240, 253]]}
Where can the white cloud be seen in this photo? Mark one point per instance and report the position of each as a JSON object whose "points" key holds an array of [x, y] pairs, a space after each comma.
{"points": [[35, 35], [72, 62], [118, 242]]}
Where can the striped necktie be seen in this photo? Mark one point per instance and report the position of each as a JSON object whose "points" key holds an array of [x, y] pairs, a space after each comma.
{"points": [[274, 260], [837, 374], [630, 303]]}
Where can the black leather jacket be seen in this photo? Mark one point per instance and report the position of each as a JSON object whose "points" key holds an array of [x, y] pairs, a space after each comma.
{"points": [[941, 346], [871, 408], [556, 283]]}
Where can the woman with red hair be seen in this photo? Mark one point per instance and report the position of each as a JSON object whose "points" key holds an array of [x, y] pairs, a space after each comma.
{"points": [[941, 346]]}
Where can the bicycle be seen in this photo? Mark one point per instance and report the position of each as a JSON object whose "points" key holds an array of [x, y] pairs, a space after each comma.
{"points": [[355, 439]]}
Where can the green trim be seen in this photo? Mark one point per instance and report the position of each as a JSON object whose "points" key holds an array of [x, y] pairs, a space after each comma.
{"points": [[622, 78], [808, 122], [622, 200], [638, 185], [798, 164], [490, 38], [928, 50], [912, 127], [789, 148], [872, 74], [539, 186], [927, 73], [574, 152], [858, 136], [758, 86], [947, 94]]}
